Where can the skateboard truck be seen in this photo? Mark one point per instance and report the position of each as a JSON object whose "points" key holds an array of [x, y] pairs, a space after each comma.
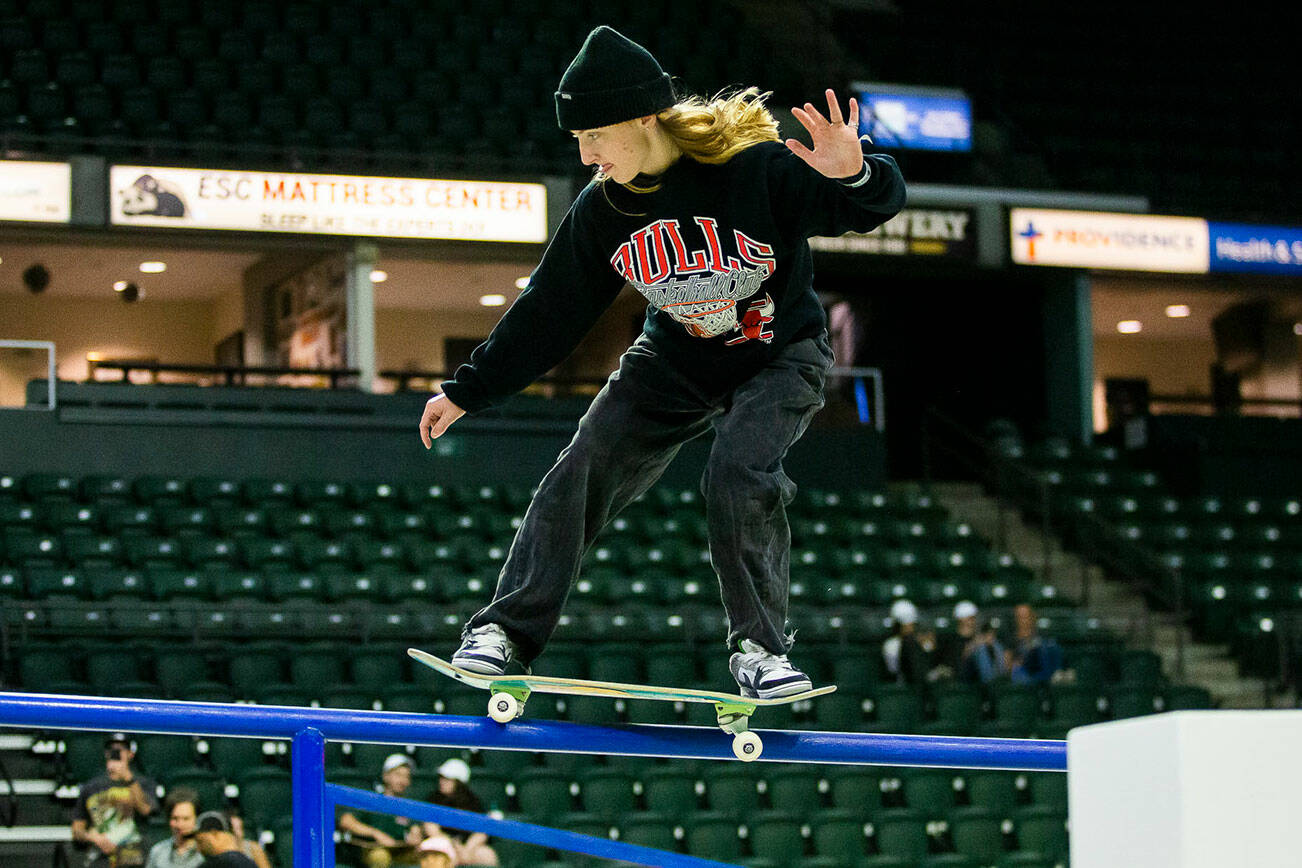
{"points": [[734, 719], [506, 702]]}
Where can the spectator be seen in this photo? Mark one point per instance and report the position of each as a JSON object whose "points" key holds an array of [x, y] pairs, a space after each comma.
{"points": [[108, 805], [386, 840], [1033, 659], [212, 834], [179, 851], [249, 848], [908, 653], [453, 791], [437, 851], [969, 653]]}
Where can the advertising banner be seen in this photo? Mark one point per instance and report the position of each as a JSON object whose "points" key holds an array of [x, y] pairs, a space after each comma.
{"points": [[920, 232], [1091, 239], [327, 204], [1259, 249], [35, 191]]}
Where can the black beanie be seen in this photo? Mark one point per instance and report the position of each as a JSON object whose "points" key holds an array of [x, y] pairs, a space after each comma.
{"points": [[612, 79]]}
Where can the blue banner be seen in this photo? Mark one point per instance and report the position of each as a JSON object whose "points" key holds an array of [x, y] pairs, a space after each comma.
{"points": [[1243, 247]]}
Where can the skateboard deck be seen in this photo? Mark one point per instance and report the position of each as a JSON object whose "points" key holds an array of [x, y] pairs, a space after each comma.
{"points": [[510, 692]]}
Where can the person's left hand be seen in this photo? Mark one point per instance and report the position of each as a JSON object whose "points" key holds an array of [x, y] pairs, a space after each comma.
{"points": [[836, 151]]}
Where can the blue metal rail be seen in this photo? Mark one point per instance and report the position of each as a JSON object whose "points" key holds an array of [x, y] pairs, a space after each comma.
{"points": [[310, 728]]}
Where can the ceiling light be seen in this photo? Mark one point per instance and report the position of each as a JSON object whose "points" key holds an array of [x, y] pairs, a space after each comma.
{"points": [[120, 286], [1175, 311], [1129, 326], [378, 276], [153, 267], [522, 282], [492, 300]]}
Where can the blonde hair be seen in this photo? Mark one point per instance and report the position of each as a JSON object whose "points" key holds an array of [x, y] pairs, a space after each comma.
{"points": [[716, 130], [710, 131]]}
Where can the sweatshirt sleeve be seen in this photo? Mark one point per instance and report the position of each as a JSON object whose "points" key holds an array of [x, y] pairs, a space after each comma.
{"points": [[571, 287], [810, 203]]}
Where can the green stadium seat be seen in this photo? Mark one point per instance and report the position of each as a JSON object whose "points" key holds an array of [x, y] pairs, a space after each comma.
{"points": [[150, 551], [607, 793], [51, 583], [87, 551], [795, 789], [108, 666], [977, 833], [158, 753], [186, 521], [1017, 712], [671, 792], [1133, 701], [1048, 790], [902, 833], [41, 664], [928, 789], [24, 516], [838, 836], [235, 586], [896, 708], [241, 521], [167, 583], [649, 830], [177, 670], [103, 489], [48, 487], [232, 756], [543, 795], [857, 788], [264, 794], [62, 517], [732, 792], [710, 835], [776, 836], [159, 490], [993, 791], [26, 548], [1042, 830], [958, 710], [116, 584]]}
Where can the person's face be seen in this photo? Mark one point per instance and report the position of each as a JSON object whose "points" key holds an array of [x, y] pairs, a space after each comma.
{"points": [[967, 626], [1024, 618], [117, 761], [447, 786], [207, 842], [398, 780], [181, 820], [620, 151]]}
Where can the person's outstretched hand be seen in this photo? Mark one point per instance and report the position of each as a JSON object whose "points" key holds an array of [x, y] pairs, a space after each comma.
{"points": [[836, 152], [439, 414]]}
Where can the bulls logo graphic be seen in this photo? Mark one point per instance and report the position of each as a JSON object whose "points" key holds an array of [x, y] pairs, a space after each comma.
{"points": [[754, 325], [701, 286]]}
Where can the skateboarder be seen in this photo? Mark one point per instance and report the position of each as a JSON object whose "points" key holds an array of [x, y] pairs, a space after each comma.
{"points": [[700, 207]]}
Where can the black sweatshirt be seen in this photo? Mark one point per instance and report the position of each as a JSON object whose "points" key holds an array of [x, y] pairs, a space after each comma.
{"points": [[719, 251]]}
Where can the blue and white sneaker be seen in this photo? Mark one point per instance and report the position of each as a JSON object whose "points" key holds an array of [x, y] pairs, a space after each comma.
{"points": [[484, 650], [764, 675]]}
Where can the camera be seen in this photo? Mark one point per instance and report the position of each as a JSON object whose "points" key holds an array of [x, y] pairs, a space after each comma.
{"points": [[115, 753]]}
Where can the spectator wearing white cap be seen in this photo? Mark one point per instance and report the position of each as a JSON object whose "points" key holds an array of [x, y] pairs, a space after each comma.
{"points": [[453, 791], [972, 653], [386, 840], [907, 653]]}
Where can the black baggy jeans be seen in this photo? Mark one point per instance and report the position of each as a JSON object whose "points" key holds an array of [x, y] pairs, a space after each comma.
{"points": [[635, 426]]}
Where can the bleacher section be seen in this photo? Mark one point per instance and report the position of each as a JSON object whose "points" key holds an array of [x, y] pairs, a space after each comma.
{"points": [[240, 590], [406, 86], [1234, 563]]}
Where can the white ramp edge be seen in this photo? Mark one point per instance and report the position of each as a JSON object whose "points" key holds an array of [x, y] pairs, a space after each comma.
{"points": [[1187, 789]]}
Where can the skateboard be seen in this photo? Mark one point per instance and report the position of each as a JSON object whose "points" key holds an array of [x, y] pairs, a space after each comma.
{"points": [[508, 694]]}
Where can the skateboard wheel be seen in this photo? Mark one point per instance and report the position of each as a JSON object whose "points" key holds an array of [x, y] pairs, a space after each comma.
{"points": [[747, 746], [503, 707]]}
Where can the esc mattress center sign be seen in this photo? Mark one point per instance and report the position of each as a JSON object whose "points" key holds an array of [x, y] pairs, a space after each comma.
{"points": [[327, 204]]}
